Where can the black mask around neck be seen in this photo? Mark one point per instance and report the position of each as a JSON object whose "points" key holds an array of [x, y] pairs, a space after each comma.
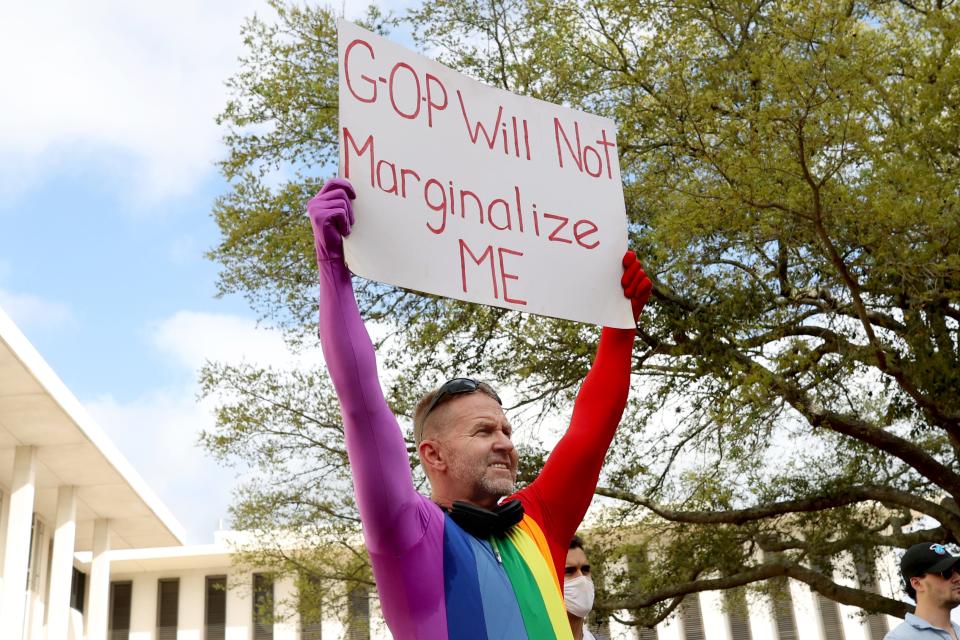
{"points": [[484, 523]]}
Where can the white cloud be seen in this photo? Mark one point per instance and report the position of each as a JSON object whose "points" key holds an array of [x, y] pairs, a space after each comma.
{"points": [[158, 433], [190, 338], [33, 311], [139, 83], [126, 88]]}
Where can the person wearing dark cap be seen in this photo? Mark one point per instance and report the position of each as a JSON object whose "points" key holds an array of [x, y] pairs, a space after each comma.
{"points": [[931, 577]]}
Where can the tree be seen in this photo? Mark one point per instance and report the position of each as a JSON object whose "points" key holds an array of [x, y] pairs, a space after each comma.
{"points": [[791, 175]]}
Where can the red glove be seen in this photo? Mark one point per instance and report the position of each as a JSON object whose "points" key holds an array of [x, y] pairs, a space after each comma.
{"points": [[636, 285], [331, 215]]}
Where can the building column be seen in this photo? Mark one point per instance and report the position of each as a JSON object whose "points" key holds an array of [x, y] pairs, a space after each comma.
{"points": [[16, 552], [99, 606], [61, 565]]}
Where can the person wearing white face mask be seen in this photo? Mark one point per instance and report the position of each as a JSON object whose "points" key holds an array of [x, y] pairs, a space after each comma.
{"points": [[578, 589]]}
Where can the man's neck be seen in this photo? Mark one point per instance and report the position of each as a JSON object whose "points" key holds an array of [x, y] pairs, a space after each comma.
{"points": [[935, 615], [446, 501], [576, 625]]}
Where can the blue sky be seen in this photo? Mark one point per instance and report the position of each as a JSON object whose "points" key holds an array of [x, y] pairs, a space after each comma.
{"points": [[107, 174]]}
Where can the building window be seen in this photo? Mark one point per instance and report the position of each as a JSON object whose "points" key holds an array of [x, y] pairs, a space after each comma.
{"points": [[262, 606], [692, 618], [830, 617], [78, 588], [783, 610], [168, 608], [120, 595], [877, 627], [738, 614], [34, 559], [215, 616], [638, 564], [646, 633], [309, 607], [358, 611]]}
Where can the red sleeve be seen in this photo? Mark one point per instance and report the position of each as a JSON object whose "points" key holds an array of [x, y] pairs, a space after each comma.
{"points": [[559, 497]]}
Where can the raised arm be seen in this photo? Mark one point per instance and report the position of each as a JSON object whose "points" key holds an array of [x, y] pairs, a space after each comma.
{"points": [[378, 455], [569, 477]]}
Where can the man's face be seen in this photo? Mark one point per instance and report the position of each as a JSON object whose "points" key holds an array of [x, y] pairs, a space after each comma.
{"points": [[577, 564], [476, 438], [938, 591]]}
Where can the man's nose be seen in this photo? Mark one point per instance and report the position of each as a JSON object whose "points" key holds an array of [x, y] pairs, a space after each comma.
{"points": [[503, 442]]}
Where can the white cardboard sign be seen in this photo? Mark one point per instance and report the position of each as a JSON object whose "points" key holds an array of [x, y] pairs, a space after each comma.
{"points": [[474, 193]]}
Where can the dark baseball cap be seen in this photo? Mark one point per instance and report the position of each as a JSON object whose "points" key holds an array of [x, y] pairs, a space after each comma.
{"points": [[928, 557]]}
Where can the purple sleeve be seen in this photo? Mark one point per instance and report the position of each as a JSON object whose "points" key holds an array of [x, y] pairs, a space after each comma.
{"points": [[389, 505], [402, 529]]}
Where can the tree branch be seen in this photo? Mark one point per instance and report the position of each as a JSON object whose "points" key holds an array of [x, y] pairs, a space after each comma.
{"points": [[817, 581], [840, 498]]}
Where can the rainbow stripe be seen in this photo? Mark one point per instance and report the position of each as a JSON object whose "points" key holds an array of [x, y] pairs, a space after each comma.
{"points": [[502, 588]]}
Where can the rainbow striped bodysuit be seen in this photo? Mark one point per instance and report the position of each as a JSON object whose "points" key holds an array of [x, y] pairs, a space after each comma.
{"points": [[436, 581]]}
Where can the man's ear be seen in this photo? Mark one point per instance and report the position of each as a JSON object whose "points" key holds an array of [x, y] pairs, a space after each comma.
{"points": [[431, 456], [916, 582]]}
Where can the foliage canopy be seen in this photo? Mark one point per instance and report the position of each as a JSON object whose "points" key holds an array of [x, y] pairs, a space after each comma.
{"points": [[791, 175]]}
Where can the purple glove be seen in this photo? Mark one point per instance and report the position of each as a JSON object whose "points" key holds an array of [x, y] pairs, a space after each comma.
{"points": [[331, 215]]}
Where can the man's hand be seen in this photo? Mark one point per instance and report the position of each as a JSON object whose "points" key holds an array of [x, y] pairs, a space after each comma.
{"points": [[331, 215], [636, 285]]}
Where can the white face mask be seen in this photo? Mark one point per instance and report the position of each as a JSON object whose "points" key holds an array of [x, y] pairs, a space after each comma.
{"points": [[578, 595]]}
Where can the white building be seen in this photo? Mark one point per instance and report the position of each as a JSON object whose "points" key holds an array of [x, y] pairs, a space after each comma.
{"points": [[801, 615], [64, 488], [89, 552]]}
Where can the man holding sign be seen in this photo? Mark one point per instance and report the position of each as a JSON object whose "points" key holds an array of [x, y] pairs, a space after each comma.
{"points": [[463, 564]]}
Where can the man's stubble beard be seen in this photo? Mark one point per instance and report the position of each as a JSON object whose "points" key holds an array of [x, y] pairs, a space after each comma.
{"points": [[953, 599], [497, 487]]}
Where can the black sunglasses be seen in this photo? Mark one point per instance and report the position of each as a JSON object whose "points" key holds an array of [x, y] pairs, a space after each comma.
{"points": [[456, 387], [946, 574]]}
